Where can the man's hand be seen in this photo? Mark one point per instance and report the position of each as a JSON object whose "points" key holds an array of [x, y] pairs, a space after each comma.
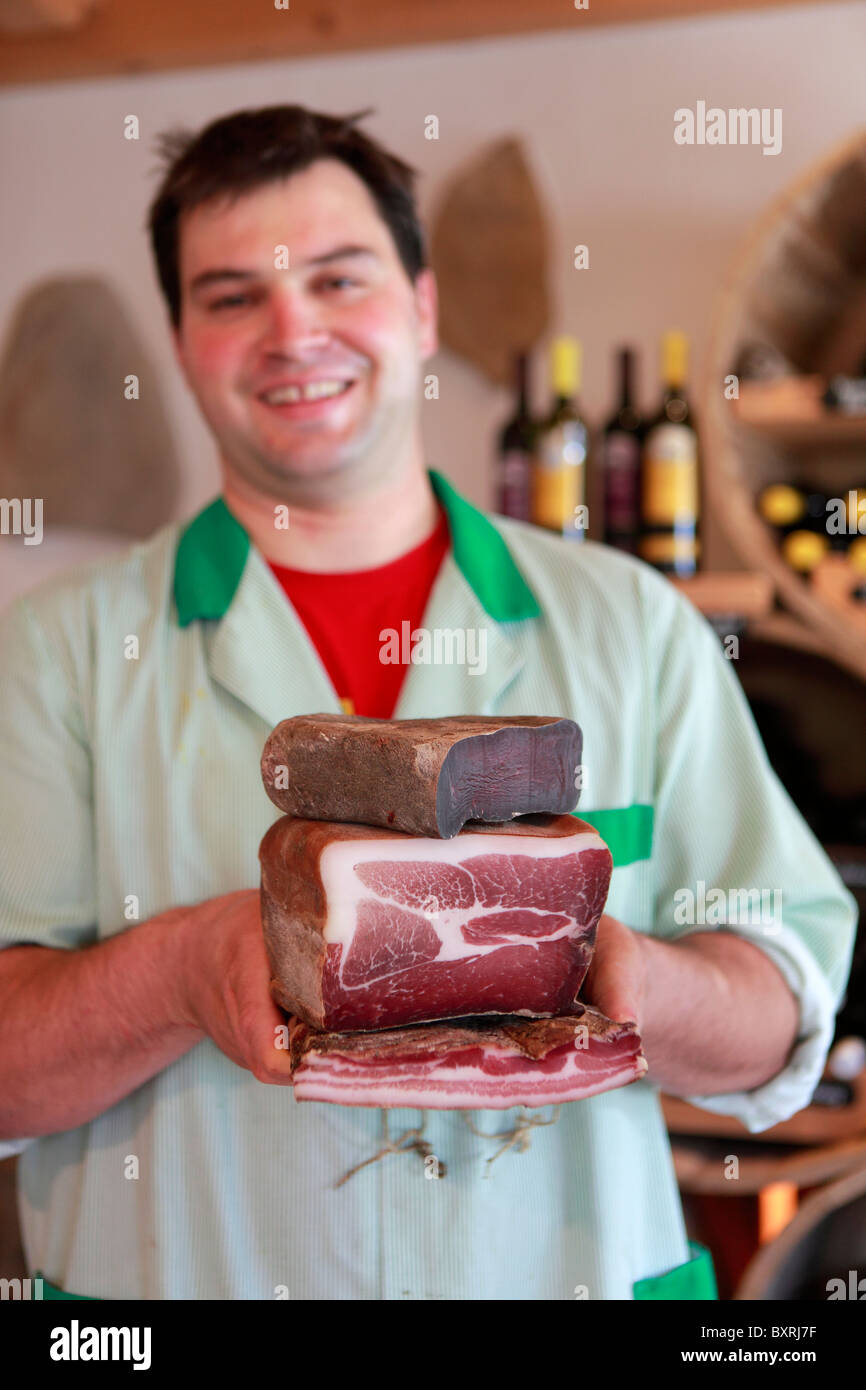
{"points": [[616, 980], [224, 986], [79, 1030], [713, 1011]]}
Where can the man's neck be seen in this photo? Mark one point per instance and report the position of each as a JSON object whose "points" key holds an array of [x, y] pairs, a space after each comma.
{"points": [[356, 533]]}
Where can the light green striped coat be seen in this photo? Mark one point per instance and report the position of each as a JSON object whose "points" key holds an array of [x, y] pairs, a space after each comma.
{"points": [[141, 776]]}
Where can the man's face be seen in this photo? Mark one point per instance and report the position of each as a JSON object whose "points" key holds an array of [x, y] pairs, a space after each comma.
{"points": [[341, 333]]}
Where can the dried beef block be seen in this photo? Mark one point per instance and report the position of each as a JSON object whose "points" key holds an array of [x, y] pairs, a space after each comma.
{"points": [[424, 776]]}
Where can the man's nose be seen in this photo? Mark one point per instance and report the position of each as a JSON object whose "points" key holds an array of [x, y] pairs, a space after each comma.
{"points": [[293, 321]]}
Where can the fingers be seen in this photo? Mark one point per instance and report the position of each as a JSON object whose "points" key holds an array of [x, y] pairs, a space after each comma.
{"points": [[272, 1064], [614, 982]]}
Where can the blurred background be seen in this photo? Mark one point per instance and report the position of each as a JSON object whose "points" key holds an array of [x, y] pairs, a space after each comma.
{"points": [[564, 218]]}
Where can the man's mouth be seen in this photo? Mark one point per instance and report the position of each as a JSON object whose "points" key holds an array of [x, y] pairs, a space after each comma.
{"points": [[306, 391]]}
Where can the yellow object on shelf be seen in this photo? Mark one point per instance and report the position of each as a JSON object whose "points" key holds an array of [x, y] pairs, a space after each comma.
{"points": [[781, 504], [803, 550], [777, 1205]]}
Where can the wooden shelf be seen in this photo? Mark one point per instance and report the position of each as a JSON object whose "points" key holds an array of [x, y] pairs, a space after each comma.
{"points": [[787, 631], [817, 1124], [828, 430], [791, 411], [722, 594], [700, 1165]]}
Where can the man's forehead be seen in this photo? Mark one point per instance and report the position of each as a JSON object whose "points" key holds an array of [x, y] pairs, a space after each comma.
{"points": [[318, 209]]}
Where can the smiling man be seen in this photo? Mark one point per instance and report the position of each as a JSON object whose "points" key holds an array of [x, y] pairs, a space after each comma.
{"points": [[309, 374], [162, 1155]]}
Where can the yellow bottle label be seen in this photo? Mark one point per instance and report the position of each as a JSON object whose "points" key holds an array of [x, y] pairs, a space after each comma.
{"points": [[559, 479], [556, 496], [670, 481], [669, 549]]}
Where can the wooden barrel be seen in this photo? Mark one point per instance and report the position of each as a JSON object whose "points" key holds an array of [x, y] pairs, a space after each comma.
{"points": [[816, 1253], [797, 287]]}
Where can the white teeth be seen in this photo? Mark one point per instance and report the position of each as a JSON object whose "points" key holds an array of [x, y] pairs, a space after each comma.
{"points": [[312, 391]]}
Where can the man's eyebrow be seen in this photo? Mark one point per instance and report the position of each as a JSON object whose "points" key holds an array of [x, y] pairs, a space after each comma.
{"points": [[342, 253], [211, 277]]}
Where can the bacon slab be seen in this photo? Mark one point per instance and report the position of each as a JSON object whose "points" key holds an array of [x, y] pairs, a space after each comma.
{"points": [[476, 1064], [371, 929], [424, 776]]}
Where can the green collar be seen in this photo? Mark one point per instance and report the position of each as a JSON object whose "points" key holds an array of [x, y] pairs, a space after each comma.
{"points": [[213, 549]]}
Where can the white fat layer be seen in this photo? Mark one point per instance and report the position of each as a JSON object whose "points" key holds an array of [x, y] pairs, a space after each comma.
{"points": [[344, 890]]}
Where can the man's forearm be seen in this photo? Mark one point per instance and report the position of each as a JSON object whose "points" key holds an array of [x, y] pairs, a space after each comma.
{"points": [[718, 1015], [79, 1030]]}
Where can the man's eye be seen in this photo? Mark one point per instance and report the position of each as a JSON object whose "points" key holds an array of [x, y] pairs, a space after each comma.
{"points": [[229, 302], [339, 281]]}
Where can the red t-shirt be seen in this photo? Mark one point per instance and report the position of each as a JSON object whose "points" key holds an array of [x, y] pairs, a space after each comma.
{"points": [[345, 614]]}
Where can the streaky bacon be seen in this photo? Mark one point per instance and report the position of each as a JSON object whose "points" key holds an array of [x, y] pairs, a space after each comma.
{"points": [[470, 1064]]}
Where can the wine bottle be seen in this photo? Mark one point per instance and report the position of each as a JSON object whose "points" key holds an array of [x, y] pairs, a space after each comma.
{"points": [[621, 464], [669, 483], [559, 460], [514, 451]]}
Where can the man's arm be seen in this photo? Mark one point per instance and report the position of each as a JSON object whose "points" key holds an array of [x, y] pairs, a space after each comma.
{"points": [[714, 1012], [79, 1030], [727, 834]]}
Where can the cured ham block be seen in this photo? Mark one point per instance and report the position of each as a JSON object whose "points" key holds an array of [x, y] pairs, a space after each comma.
{"points": [[424, 776], [369, 929], [475, 1064]]}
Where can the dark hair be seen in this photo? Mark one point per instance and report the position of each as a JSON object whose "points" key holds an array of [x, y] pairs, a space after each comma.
{"points": [[238, 153]]}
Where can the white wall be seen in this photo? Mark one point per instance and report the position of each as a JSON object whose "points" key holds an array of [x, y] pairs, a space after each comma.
{"points": [[595, 109]]}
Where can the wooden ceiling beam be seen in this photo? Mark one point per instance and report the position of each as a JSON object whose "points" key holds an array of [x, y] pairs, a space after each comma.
{"points": [[135, 36], [29, 16]]}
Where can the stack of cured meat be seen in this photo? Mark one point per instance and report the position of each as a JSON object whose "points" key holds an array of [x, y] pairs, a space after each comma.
{"points": [[430, 910]]}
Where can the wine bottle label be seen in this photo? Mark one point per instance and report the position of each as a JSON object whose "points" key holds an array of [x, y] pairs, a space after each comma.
{"points": [[621, 483], [514, 484], [559, 480], [556, 496], [677, 552], [670, 485]]}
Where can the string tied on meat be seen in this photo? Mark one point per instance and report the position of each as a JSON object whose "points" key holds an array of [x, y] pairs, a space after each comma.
{"points": [[519, 1137], [410, 1141]]}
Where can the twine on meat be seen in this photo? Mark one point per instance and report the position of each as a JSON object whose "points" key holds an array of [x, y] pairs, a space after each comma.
{"points": [[520, 1137], [411, 1141]]}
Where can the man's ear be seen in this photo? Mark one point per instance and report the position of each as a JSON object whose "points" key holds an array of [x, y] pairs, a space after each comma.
{"points": [[427, 308]]}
